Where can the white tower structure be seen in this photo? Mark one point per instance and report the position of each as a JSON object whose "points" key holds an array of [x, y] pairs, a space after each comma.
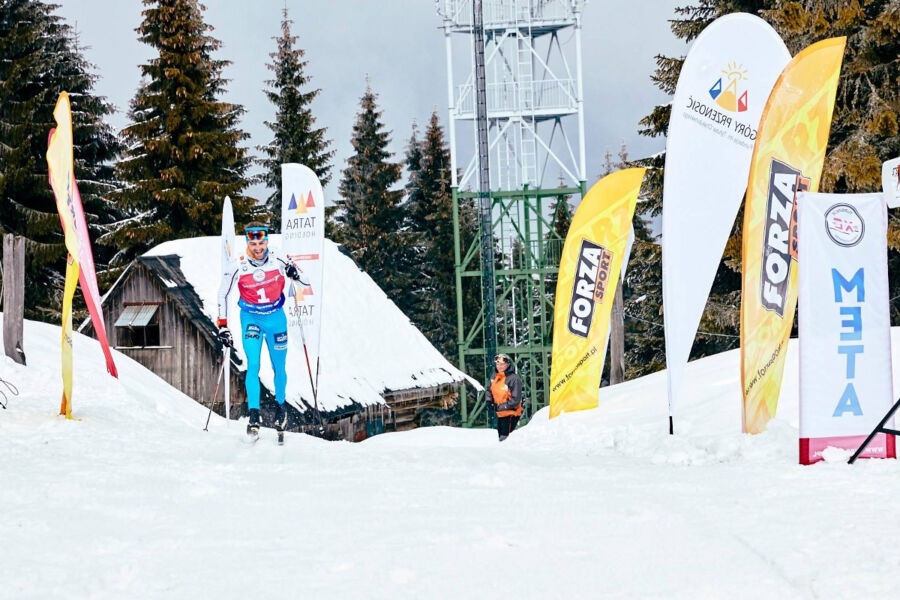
{"points": [[534, 93]]}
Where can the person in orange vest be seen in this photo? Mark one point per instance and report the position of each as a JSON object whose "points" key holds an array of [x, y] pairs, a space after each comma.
{"points": [[505, 392]]}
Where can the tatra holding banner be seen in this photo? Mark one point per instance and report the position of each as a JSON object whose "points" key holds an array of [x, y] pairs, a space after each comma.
{"points": [[845, 323], [303, 240], [787, 159], [586, 288]]}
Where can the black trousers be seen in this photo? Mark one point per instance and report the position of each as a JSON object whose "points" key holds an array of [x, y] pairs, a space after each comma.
{"points": [[506, 425]]}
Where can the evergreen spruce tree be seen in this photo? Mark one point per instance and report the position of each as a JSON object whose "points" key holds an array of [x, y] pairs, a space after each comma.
{"points": [[183, 153], [369, 215], [865, 130], [296, 139], [431, 216], [562, 212], [415, 201], [96, 148], [39, 58], [562, 220]]}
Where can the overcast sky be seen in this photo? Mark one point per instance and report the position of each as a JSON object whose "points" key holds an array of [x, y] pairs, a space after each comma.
{"points": [[399, 46]]}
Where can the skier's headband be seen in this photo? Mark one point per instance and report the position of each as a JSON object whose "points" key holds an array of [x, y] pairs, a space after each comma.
{"points": [[257, 234]]}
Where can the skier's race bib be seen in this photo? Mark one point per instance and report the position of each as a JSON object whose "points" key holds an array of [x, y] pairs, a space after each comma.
{"points": [[261, 289]]}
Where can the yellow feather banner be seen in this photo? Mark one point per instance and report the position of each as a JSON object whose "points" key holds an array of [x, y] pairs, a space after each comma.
{"points": [[787, 158], [588, 276], [65, 407], [60, 160]]}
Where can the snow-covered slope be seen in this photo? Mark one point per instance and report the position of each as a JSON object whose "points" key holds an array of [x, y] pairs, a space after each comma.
{"points": [[135, 500]]}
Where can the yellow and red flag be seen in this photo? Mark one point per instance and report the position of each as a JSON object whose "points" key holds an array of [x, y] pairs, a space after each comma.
{"points": [[787, 159], [586, 287], [80, 264]]}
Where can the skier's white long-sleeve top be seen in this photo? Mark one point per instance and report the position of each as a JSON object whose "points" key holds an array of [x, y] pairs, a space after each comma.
{"points": [[259, 282]]}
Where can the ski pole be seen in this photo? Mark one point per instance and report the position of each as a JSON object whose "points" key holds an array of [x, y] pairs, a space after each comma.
{"points": [[312, 384], [321, 425], [215, 394]]}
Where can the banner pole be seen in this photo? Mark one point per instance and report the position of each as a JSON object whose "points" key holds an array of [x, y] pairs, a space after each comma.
{"points": [[227, 392], [312, 383], [215, 395]]}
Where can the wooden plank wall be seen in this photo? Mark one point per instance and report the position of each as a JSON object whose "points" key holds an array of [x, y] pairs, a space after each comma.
{"points": [[185, 359]]}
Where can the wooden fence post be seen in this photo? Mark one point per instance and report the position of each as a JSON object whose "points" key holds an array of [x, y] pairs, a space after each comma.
{"points": [[617, 339], [14, 296]]}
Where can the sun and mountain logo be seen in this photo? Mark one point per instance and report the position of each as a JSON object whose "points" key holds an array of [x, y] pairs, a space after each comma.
{"points": [[728, 91], [301, 207]]}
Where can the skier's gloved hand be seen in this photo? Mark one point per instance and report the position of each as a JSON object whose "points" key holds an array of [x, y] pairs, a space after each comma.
{"points": [[294, 273], [225, 337]]}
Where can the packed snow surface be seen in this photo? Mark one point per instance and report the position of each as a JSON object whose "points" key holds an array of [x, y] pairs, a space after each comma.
{"points": [[135, 500]]}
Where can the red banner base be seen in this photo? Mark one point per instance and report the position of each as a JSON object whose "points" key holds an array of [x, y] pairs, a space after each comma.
{"points": [[882, 446]]}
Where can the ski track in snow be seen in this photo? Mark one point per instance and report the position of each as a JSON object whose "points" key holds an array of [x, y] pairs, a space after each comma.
{"points": [[135, 500]]}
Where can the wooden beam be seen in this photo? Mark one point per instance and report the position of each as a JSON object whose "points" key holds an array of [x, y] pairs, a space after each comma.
{"points": [[14, 297]]}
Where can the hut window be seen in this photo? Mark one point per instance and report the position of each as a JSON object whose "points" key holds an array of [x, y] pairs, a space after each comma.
{"points": [[138, 326]]}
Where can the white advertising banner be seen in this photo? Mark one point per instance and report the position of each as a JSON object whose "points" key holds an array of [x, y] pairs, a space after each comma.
{"points": [[303, 240], [845, 326], [722, 90]]}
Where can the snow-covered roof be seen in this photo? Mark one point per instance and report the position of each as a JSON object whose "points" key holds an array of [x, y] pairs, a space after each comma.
{"points": [[368, 346]]}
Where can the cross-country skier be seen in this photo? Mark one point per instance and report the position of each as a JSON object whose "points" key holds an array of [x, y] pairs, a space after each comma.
{"points": [[260, 274]]}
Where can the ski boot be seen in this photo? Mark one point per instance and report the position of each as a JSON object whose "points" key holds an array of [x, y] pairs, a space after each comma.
{"points": [[280, 420], [253, 425]]}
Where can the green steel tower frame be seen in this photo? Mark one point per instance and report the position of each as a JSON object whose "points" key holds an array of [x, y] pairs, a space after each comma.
{"points": [[519, 112], [524, 282]]}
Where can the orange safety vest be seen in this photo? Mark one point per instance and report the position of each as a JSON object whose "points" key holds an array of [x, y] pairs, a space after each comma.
{"points": [[500, 393]]}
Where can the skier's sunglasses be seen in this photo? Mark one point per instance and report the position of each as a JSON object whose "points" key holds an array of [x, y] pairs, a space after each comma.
{"points": [[257, 234]]}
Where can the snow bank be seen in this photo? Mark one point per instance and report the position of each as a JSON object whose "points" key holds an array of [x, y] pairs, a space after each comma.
{"points": [[135, 500]]}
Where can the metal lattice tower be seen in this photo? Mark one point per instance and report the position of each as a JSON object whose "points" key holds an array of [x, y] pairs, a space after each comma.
{"points": [[535, 144]]}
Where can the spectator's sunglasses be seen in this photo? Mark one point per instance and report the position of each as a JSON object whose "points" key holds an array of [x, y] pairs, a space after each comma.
{"points": [[257, 234]]}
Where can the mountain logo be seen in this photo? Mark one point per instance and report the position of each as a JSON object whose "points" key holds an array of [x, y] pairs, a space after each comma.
{"points": [[728, 92], [299, 292], [301, 207]]}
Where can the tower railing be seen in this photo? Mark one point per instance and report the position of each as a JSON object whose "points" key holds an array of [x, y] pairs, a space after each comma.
{"points": [[505, 13], [552, 96]]}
